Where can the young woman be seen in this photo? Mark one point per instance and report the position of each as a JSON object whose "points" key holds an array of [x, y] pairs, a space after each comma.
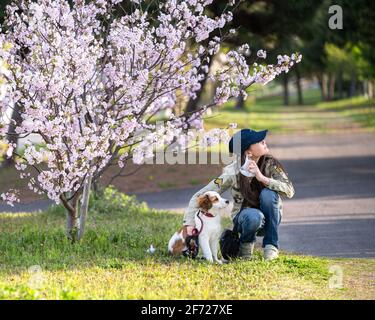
{"points": [[257, 207]]}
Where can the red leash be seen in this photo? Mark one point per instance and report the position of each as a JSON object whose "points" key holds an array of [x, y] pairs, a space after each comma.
{"points": [[195, 230]]}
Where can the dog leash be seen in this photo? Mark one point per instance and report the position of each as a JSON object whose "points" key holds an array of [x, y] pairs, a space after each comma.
{"points": [[195, 230], [206, 214]]}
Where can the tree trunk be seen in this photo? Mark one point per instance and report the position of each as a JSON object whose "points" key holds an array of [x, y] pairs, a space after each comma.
{"points": [[370, 89], [72, 220], [364, 87], [84, 207], [240, 104], [193, 103], [12, 137], [286, 89], [97, 189], [352, 88], [339, 84], [331, 87], [299, 86], [322, 78], [75, 227]]}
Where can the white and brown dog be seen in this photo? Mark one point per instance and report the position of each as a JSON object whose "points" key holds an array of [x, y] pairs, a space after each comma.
{"points": [[208, 228]]}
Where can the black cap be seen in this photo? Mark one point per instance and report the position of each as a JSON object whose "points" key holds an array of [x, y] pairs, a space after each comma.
{"points": [[244, 138]]}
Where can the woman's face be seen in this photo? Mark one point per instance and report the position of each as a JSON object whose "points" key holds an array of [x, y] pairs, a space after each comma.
{"points": [[257, 150]]}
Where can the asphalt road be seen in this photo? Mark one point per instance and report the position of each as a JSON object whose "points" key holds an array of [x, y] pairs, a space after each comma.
{"points": [[333, 211]]}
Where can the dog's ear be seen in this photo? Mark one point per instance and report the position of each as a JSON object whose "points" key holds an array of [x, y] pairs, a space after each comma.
{"points": [[204, 202]]}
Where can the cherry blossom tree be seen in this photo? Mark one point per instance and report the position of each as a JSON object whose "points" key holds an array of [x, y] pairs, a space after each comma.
{"points": [[89, 82]]}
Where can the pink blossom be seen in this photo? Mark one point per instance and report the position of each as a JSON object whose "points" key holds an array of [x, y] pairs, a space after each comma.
{"points": [[10, 197], [262, 54], [90, 98]]}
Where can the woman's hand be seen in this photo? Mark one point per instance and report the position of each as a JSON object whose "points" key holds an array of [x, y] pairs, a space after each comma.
{"points": [[254, 169]]}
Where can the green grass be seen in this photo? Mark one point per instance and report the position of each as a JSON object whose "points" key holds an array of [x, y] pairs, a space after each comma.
{"points": [[360, 109], [166, 185], [310, 97], [195, 182], [315, 116], [112, 263]]}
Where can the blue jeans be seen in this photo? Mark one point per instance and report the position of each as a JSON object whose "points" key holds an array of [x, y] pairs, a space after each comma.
{"points": [[250, 222]]}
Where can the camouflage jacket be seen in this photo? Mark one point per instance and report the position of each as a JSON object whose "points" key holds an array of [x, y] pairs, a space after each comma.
{"points": [[279, 182]]}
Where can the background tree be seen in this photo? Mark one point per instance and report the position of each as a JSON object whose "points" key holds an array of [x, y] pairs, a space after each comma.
{"points": [[276, 26]]}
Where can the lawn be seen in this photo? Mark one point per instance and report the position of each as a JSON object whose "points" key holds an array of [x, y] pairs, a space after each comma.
{"points": [[313, 117], [360, 109], [37, 262]]}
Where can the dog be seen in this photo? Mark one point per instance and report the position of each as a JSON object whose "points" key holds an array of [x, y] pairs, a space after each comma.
{"points": [[207, 229]]}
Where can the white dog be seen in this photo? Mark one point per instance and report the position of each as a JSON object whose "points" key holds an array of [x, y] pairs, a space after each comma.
{"points": [[208, 224]]}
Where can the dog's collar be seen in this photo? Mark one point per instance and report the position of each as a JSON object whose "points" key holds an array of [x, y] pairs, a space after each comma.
{"points": [[207, 214]]}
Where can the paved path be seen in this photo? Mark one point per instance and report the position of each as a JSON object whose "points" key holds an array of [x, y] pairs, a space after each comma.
{"points": [[333, 210]]}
